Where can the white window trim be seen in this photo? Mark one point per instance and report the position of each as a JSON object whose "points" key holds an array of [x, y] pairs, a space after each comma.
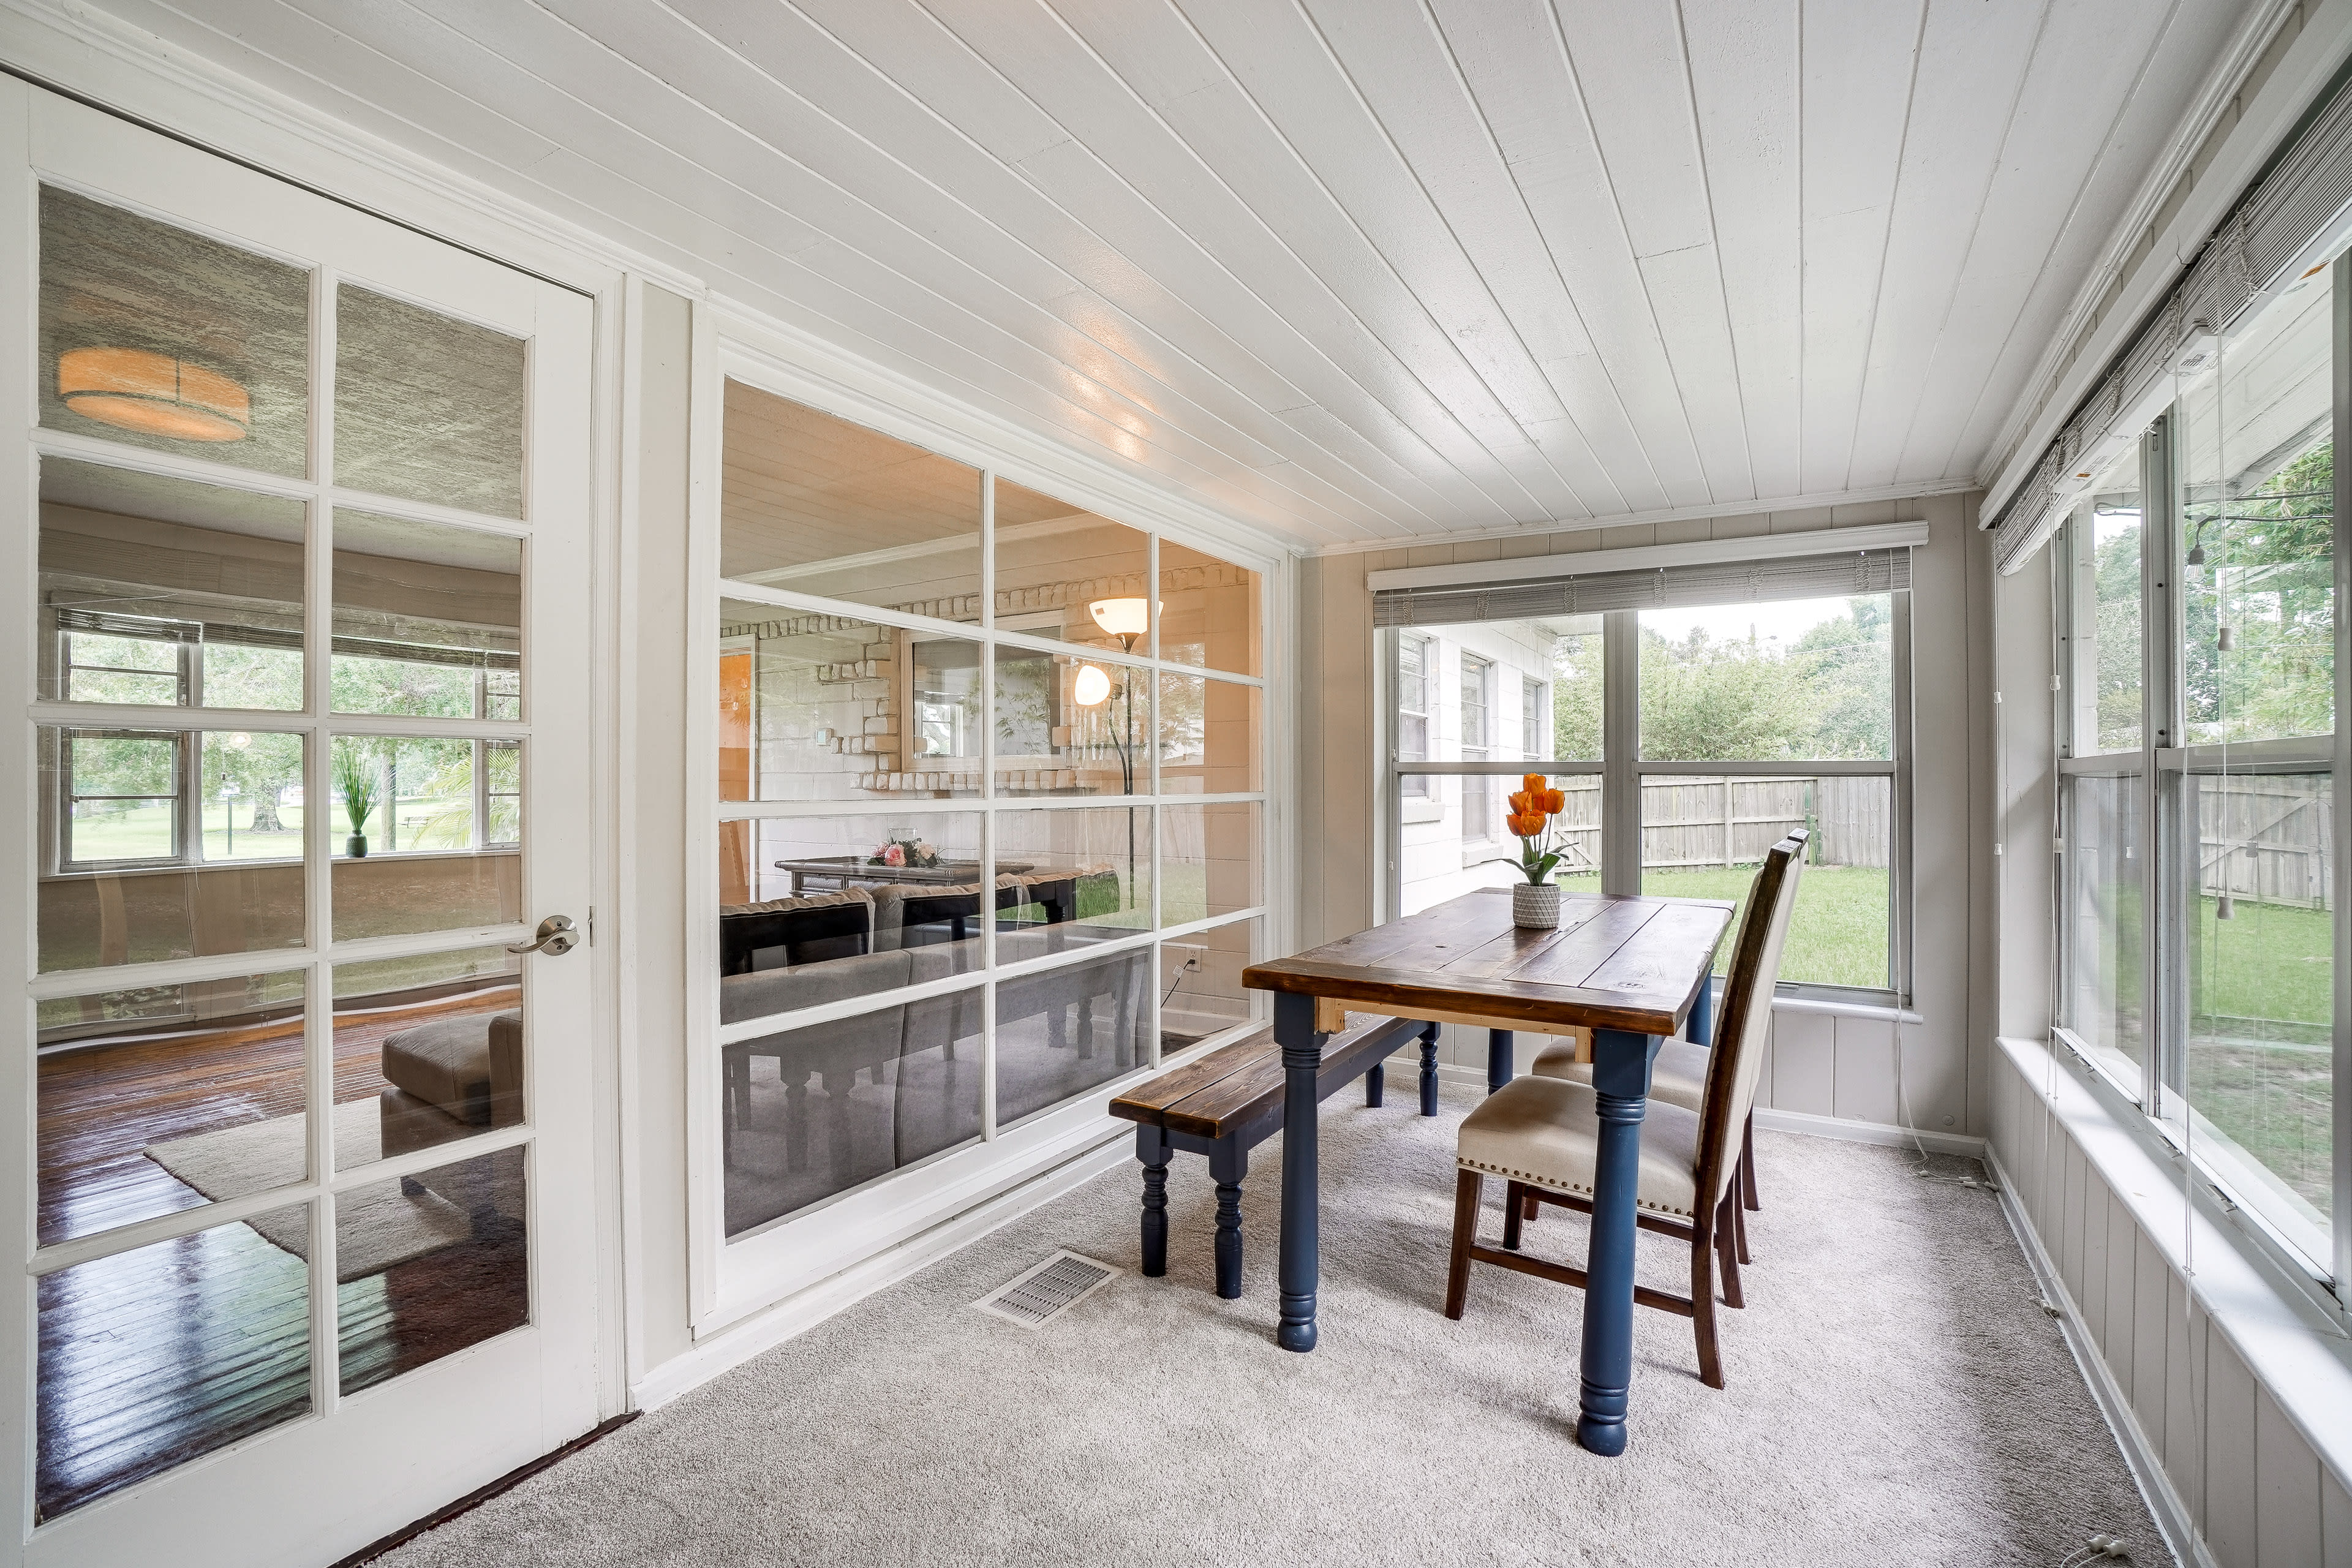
{"points": [[729, 1280]]}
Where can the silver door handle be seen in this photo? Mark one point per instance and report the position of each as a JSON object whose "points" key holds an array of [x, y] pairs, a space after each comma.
{"points": [[555, 937]]}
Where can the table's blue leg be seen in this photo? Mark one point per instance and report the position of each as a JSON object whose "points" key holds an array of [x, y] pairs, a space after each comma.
{"points": [[1700, 1029], [1620, 1082], [1498, 1058], [1302, 1056], [1428, 1069]]}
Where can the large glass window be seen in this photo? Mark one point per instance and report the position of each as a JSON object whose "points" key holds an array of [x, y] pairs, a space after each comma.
{"points": [[2197, 790], [1753, 718], [980, 854]]}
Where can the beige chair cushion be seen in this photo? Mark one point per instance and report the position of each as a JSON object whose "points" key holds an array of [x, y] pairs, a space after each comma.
{"points": [[802, 901], [1678, 1076], [1545, 1131]]}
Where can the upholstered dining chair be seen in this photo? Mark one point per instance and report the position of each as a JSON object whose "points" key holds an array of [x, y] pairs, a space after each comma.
{"points": [[1540, 1134]]}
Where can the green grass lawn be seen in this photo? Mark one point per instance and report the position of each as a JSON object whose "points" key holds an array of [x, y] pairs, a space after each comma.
{"points": [[1837, 935]]}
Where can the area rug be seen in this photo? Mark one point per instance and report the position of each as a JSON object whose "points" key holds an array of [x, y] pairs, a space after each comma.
{"points": [[376, 1226]]}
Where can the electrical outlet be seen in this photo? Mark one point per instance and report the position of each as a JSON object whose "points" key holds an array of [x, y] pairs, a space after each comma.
{"points": [[1194, 960]]}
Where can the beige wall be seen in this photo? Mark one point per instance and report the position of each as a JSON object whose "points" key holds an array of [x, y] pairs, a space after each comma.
{"points": [[1845, 1067]]}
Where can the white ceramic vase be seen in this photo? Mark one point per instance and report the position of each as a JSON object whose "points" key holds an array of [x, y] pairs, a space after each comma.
{"points": [[1535, 906]]}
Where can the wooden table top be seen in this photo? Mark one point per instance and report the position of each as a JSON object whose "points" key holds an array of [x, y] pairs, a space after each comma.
{"points": [[1615, 962]]}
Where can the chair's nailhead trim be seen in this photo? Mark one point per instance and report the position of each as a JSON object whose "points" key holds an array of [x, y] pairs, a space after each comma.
{"points": [[1551, 1184]]}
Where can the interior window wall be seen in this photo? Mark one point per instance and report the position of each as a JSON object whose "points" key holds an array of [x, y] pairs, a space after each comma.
{"points": [[2201, 936], [990, 815]]}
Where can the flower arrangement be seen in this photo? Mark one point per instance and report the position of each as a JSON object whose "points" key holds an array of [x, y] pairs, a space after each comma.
{"points": [[896, 852], [1533, 806]]}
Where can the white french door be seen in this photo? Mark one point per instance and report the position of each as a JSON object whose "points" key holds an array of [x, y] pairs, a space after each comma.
{"points": [[302, 1175]]}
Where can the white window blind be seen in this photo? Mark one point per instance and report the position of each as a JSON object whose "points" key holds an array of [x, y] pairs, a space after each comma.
{"points": [[1820, 576]]}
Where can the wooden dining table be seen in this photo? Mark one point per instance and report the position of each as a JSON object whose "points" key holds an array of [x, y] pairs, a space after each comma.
{"points": [[1634, 970]]}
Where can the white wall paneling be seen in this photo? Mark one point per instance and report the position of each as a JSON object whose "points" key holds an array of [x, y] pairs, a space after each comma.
{"points": [[2228, 1385]]}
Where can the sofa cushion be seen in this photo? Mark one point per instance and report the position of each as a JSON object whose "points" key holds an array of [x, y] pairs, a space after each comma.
{"points": [[770, 991], [446, 1063]]}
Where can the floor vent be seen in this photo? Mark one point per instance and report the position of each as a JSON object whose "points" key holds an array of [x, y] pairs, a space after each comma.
{"points": [[1048, 1290]]}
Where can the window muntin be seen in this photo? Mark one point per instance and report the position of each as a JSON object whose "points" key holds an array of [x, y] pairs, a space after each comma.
{"points": [[1023, 800]]}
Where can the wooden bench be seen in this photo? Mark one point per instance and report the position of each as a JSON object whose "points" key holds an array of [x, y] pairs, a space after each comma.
{"points": [[1230, 1100]]}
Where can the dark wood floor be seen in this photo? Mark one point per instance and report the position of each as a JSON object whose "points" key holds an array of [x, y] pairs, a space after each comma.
{"points": [[153, 1356]]}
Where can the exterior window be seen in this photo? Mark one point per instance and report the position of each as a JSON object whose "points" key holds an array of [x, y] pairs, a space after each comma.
{"points": [[1413, 710], [121, 792], [1752, 719], [2198, 934]]}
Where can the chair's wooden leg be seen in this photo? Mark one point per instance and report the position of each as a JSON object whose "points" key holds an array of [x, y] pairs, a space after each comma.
{"points": [[1748, 1164], [1710, 1364], [1514, 1208], [1739, 1225], [1469, 1187], [1726, 1220], [1533, 1204]]}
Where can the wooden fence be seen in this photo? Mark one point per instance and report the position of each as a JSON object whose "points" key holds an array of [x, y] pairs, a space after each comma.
{"points": [[1699, 822], [2266, 838]]}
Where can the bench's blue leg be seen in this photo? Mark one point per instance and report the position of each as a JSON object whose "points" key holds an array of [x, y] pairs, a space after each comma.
{"points": [[1302, 1055], [1498, 1058], [1428, 1069], [1375, 1085], [1621, 1083], [1152, 1148], [1700, 1028], [1227, 1167]]}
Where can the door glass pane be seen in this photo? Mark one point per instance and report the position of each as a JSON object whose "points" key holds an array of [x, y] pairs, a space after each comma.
{"points": [[1211, 860], [820, 708], [153, 1356], [1706, 838], [167, 1096], [2108, 617], [163, 592], [428, 1050], [1092, 868], [427, 834], [2257, 461], [821, 506], [2261, 937], [429, 1264], [427, 407], [2102, 994], [156, 337], [1062, 1032], [815, 1111], [1064, 572], [1201, 978], [142, 873], [1208, 611], [1791, 680], [1071, 725], [428, 618], [800, 898], [1209, 732]]}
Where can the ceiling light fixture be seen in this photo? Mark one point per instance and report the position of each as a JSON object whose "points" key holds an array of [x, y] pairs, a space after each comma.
{"points": [[153, 393]]}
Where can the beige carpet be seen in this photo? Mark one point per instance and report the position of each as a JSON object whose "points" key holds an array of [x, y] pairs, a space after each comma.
{"points": [[376, 1226], [1897, 1396]]}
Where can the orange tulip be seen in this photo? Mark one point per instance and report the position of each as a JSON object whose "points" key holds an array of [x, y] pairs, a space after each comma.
{"points": [[1529, 825], [1531, 783], [1519, 801], [1554, 801]]}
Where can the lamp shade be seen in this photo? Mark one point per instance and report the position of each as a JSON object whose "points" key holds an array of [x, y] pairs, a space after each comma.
{"points": [[1093, 686], [154, 393], [1122, 618]]}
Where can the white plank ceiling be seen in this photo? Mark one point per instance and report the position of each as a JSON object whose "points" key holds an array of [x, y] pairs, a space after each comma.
{"points": [[1352, 270]]}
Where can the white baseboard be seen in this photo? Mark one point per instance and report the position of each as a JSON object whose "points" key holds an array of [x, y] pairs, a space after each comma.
{"points": [[2163, 1504], [1879, 1132], [805, 1308]]}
